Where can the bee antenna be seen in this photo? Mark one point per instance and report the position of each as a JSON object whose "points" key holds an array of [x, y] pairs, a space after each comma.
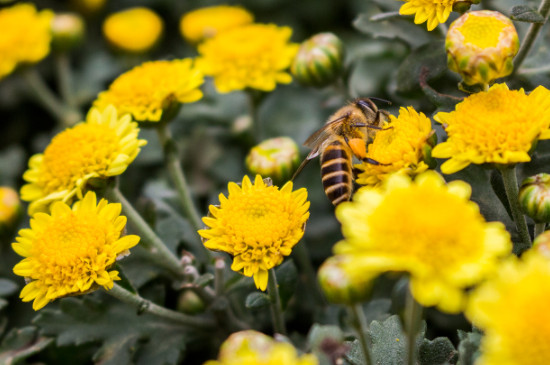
{"points": [[381, 100]]}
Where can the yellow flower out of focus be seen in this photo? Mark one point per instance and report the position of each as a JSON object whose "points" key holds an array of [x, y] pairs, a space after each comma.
{"points": [[258, 225], [134, 30], [426, 228], [255, 348], [153, 87], [10, 206], [431, 11], [399, 148], [481, 46], [204, 23], [498, 126], [25, 36], [71, 251], [253, 56], [101, 147], [512, 311]]}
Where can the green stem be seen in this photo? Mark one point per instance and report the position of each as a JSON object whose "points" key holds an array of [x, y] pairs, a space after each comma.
{"points": [[144, 305], [531, 35], [64, 77], [360, 323], [276, 307], [413, 319], [539, 228], [149, 239], [44, 95], [511, 186]]}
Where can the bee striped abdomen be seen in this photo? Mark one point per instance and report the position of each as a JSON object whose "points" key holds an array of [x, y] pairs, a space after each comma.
{"points": [[336, 172]]}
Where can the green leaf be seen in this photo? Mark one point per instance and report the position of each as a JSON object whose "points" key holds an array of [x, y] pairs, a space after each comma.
{"points": [[326, 342], [21, 343], [429, 56], [525, 13], [287, 278], [7, 287], [439, 351], [257, 300], [468, 347], [125, 336]]}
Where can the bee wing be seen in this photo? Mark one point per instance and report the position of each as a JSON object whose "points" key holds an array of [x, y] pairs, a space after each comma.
{"points": [[317, 138], [309, 157]]}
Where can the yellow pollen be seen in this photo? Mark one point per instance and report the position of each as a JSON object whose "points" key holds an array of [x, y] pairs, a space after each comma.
{"points": [[482, 31]]}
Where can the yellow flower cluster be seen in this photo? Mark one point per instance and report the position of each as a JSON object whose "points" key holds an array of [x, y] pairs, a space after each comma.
{"points": [[258, 225], [152, 88], [25, 36], [71, 251]]}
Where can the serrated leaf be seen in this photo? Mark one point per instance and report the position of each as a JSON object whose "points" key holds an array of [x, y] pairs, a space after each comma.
{"points": [[468, 347], [125, 336], [396, 29], [257, 300], [439, 351], [21, 343], [525, 13], [429, 56], [7, 287], [326, 342]]}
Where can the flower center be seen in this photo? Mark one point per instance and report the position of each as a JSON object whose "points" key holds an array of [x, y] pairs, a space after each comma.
{"points": [[482, 31], [76, 153]]}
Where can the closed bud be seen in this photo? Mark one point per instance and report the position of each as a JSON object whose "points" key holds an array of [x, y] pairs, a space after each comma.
{"points": [[481, 46], [10, 209], [67, 31], [461, 6], [534, 197], [190, 303], [275, 157], [248, 340], [319, 60], [343, 285], [541, 244]]}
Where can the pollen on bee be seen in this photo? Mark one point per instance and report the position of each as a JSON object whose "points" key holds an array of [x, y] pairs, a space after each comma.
{"points": [[358, 147]]}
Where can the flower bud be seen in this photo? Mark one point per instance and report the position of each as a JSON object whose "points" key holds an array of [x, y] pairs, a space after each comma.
{"points": [[319, 60], [67, 31], [541, 244], [534, 197], [190, 303], [10, 208], [341, 284], [481, 46], [275, 157]]}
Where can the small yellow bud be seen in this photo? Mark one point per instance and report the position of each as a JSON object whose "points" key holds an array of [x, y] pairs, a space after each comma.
{"points": [[275, 157], [481, 46], [67, 31], [343, 286], [534, 197], [248, 340], [319, 60], [541, 245]]}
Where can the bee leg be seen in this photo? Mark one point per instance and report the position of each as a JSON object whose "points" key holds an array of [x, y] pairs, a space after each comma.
{"points": [[374, 162]]}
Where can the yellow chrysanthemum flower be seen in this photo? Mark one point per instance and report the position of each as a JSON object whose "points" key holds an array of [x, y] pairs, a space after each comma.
{"points": [[25, 36], [255, 348], [432, 11], [134, 30], [512, 311], [399, 148], [481, 46], [426, 228], [258, 225], [149, 89], [200, 24], [10, 207], [101, 147], [252, 56], [498, 126], [71, 251]]}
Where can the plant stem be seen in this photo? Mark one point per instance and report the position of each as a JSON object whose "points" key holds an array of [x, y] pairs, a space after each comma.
{"points": [[531, 35], [360, 323], [414, 319], [511, 186], [64, 78], [144, 305], [44, 95], [276, 307], [539, 228], [149, 239]]}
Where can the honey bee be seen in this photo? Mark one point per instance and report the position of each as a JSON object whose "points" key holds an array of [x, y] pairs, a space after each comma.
{"points": [[346, 134]]}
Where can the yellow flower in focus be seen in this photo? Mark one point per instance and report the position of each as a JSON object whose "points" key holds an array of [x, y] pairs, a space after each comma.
{"points": [[147, 90], [432, 11], [512, 311], [426, 228], [134, 30], [200, 24], [481, 46], [399, 148], [71, 251], [253, 56], [258, 225], [25, 36], [101, 147], [255, 348], [498, 126]]}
